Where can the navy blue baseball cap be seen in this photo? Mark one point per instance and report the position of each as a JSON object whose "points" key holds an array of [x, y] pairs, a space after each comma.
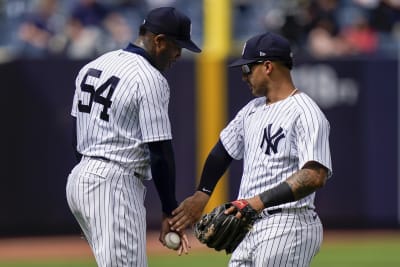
{"points": [[267, 46], [171, 22]]}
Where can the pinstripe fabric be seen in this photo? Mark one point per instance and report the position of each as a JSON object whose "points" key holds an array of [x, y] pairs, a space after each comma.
{"points": [[290, 238], [120, 104], [306, 134], [108, 203], [138, 113], [275, 141]]}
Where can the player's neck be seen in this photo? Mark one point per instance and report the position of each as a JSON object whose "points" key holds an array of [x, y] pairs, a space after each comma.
{"points": [[276, 96]]}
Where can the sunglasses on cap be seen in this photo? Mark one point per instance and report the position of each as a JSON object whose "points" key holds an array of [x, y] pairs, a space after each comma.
{"points": [[246, 68]]}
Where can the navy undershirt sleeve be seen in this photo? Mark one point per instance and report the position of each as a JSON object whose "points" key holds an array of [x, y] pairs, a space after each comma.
{"points": [[216, 164], [163, 172]]}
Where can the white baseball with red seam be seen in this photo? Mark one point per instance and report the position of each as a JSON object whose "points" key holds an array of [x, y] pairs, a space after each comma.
{"points": [[172, 240]]}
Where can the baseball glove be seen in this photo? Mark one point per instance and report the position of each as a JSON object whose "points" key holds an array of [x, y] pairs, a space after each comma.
{"points": [[225, 231]]}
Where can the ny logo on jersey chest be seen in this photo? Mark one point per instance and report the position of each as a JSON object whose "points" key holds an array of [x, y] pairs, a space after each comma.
{"points": [[270, 141]]}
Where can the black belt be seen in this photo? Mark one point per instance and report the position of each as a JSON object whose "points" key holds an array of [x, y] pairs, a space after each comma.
{"points": [[138, 175], [100, 158], [265, 213], [275, 211]]}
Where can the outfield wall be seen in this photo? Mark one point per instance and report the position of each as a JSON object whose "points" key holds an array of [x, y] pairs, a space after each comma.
{"points": [[359, 97]]}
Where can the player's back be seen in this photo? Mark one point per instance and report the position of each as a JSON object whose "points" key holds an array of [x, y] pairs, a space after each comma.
{"points": [[107, 108]]}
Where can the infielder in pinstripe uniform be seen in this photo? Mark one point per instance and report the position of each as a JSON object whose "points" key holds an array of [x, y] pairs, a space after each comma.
{"points": [[282, 137], [124, 137]]}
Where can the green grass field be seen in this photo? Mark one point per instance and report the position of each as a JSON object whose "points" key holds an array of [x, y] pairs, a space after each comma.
{"points": [[363, 251], [374, 252], [377, 252]]}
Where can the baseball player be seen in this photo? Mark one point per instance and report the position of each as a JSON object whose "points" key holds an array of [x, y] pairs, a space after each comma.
{"points": [[123, 136], [282, 137]]}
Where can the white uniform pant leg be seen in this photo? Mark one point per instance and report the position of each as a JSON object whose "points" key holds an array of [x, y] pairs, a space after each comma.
{"points": [[289, 238], [109, 206]]}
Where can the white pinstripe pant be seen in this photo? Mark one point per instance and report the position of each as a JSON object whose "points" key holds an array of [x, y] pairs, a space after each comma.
{"points": [[289, 238], [108, 203]]}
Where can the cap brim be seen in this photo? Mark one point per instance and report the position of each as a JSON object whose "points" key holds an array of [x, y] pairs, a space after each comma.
{"points": [[240, 62], [189, 45]]}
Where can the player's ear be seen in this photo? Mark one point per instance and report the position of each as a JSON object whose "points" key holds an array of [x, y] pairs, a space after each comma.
{"points": [[268, 66], [160, 41]]}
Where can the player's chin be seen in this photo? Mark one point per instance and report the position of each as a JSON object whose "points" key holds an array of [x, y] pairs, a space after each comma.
{"points": [[256, 91]]}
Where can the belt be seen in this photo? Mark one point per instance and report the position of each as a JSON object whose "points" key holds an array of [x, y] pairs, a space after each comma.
{"points": [[271, 212], [100, 158], [138, 175], [266, 213]]}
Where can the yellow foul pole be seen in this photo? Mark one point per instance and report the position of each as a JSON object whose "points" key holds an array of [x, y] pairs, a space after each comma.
{"points": [[212, 86]]}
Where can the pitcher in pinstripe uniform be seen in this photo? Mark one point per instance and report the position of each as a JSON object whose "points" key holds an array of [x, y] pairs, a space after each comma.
{"points": [[282, 137], [123, 136]]}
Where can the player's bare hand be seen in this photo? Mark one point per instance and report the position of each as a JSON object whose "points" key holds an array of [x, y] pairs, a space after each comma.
{"points": [[164, 229], [185, 245], [189, 211]]}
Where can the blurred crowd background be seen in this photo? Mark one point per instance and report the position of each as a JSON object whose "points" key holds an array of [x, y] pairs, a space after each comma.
{"points": [[79, 29]]}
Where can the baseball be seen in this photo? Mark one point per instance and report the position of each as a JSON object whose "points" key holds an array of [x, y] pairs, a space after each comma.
{"points": [[172, 240]]}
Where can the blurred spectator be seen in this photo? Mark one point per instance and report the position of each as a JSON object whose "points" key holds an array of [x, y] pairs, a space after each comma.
{"points": [[81, 42], [117, 33], [323, 41], [36, 30], [294, 27], [11, 14], [133, 10], [323, 10], [32, 40], [251, 16], [385, 16], [83, 31], [89, 13], [360, 37]]}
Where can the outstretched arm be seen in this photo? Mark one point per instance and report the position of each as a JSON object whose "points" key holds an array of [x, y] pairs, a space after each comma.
{"points": [[190, 210], [305, 181]]}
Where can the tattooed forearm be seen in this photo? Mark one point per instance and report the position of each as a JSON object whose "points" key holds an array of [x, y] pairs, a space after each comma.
{"points": [[307, 180]]}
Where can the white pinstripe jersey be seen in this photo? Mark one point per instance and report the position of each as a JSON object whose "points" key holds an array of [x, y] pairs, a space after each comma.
{"points": [[120, 103], [275, 141]]}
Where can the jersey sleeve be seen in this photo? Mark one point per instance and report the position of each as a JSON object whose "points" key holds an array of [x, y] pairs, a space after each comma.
{"points": [[153, 110], [74, 110], [313, 138], [232, 136]]}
